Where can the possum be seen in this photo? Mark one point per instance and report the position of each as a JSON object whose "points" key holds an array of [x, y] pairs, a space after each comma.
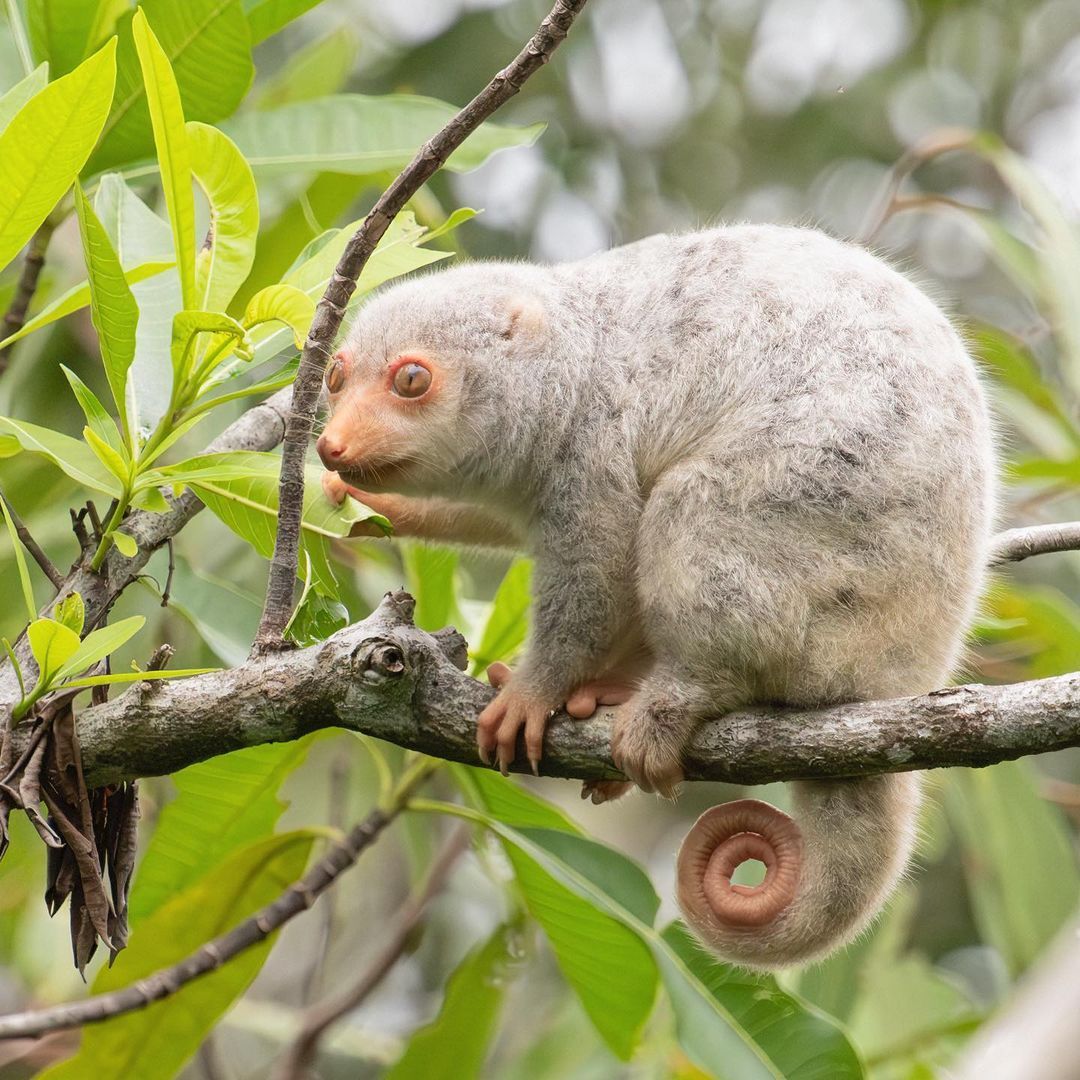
{"points": [[753, 465]]}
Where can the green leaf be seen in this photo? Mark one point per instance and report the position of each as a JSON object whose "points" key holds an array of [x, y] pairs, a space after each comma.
{"points": [[112, 306], [314, 71], [139, 235], [125, 544], [188, 325], [282, 303], [21, 93], [567, 878], [63, 32], [71, 612], [71, 455], [1019, 859], [315, 619], [221, 806], [53, 645], [508, 623], [207, 44], [431, 577], [47, 143], [508, 801], [353, 133], [248, 506], [106, 455], [173, 153], [136, 676], [151, 499], [224, 261], [78, 297], [454, 1045], [100, 422], [20, 563], [156, 1042], [98, 644], [267, 17], [801, 1042]]}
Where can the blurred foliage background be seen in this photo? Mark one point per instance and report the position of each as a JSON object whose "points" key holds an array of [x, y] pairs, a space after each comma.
{"points": [[945, 134]]}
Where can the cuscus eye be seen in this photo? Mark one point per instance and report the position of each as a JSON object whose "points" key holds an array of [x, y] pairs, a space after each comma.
{"points": [[335, 375], [411, 380]]}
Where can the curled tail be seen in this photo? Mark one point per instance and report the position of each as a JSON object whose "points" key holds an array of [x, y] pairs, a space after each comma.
{"points": [[825, 877]]}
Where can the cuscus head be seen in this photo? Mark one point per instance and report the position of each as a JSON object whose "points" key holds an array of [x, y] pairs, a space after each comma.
{"points": [[412, 388]]}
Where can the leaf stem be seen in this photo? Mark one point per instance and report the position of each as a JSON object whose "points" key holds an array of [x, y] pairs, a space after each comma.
{"points": [[110, 527]]}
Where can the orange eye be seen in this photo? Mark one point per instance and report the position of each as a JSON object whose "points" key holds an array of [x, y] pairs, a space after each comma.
{"points": [[411, 381], [335, 376]]}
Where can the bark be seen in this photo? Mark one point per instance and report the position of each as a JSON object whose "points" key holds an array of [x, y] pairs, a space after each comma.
{"points": [[387, 679]]}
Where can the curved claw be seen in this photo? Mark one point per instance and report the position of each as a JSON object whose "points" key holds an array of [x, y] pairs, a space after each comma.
{"points": [[500, 723]]}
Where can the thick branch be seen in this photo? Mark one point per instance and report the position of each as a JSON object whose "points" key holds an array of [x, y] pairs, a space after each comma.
{"points": [[390, 680], [331, 310], [1017, 544]]}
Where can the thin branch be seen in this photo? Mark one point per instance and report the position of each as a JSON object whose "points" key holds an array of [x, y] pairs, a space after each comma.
{"points": [[33, 261], [296, 1062], [1017, 544], [253, 930], [331, 310], [37, 552]]}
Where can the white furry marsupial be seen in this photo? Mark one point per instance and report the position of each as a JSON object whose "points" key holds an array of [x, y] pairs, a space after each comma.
{"points": [[752, 465]]}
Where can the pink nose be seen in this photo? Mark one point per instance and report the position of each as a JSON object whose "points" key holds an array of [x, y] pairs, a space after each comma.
{"points": [[330, 450]]}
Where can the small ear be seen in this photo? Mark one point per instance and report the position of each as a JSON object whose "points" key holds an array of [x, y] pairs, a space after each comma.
{"points": [[524, 315]]}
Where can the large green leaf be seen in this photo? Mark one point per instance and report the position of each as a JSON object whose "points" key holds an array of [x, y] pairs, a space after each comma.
{"points": [[156, 1042], [799, 1040], [15, 98], [71, 455], [431, 578], [266, 17], [221, 805], [726, 1028], [508, 622], [139, 235], [315, 71], [1019, 859], [47, 143], [248, 505], [353, 133], [173, 152], [454, 1045], [53, 644], [224, 261], [63, 32], [112, 306], [207, 43]]}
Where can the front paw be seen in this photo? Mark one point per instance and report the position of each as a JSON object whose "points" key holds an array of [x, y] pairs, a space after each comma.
{"points": [[499, 724], [647, 750]]}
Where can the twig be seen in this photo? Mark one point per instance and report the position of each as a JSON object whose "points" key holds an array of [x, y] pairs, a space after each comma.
{"points": [[296, 1062], [1017, 544], [169, 574], [36, 551], [331, 309], [160, 657], [95, 518], [79, 529], [33, 261], [209, 957]]}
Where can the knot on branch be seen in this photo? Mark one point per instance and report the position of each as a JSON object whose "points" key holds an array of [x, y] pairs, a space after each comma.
{"points": [[382, 660], [453, 646]]}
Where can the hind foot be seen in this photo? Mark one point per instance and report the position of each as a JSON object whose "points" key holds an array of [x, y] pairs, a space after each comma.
{"points": [[647, 744]]}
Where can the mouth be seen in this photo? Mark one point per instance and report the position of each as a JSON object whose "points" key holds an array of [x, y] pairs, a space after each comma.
{"points": [[376, 475]]}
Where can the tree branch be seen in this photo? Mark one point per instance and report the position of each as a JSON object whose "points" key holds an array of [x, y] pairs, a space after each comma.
{"points": [[331, 310], [31, 545], [387, 679], [1017, 544], [33, 261]]}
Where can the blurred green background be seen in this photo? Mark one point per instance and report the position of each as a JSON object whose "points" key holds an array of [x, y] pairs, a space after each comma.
{"points": [[664, 115]]}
